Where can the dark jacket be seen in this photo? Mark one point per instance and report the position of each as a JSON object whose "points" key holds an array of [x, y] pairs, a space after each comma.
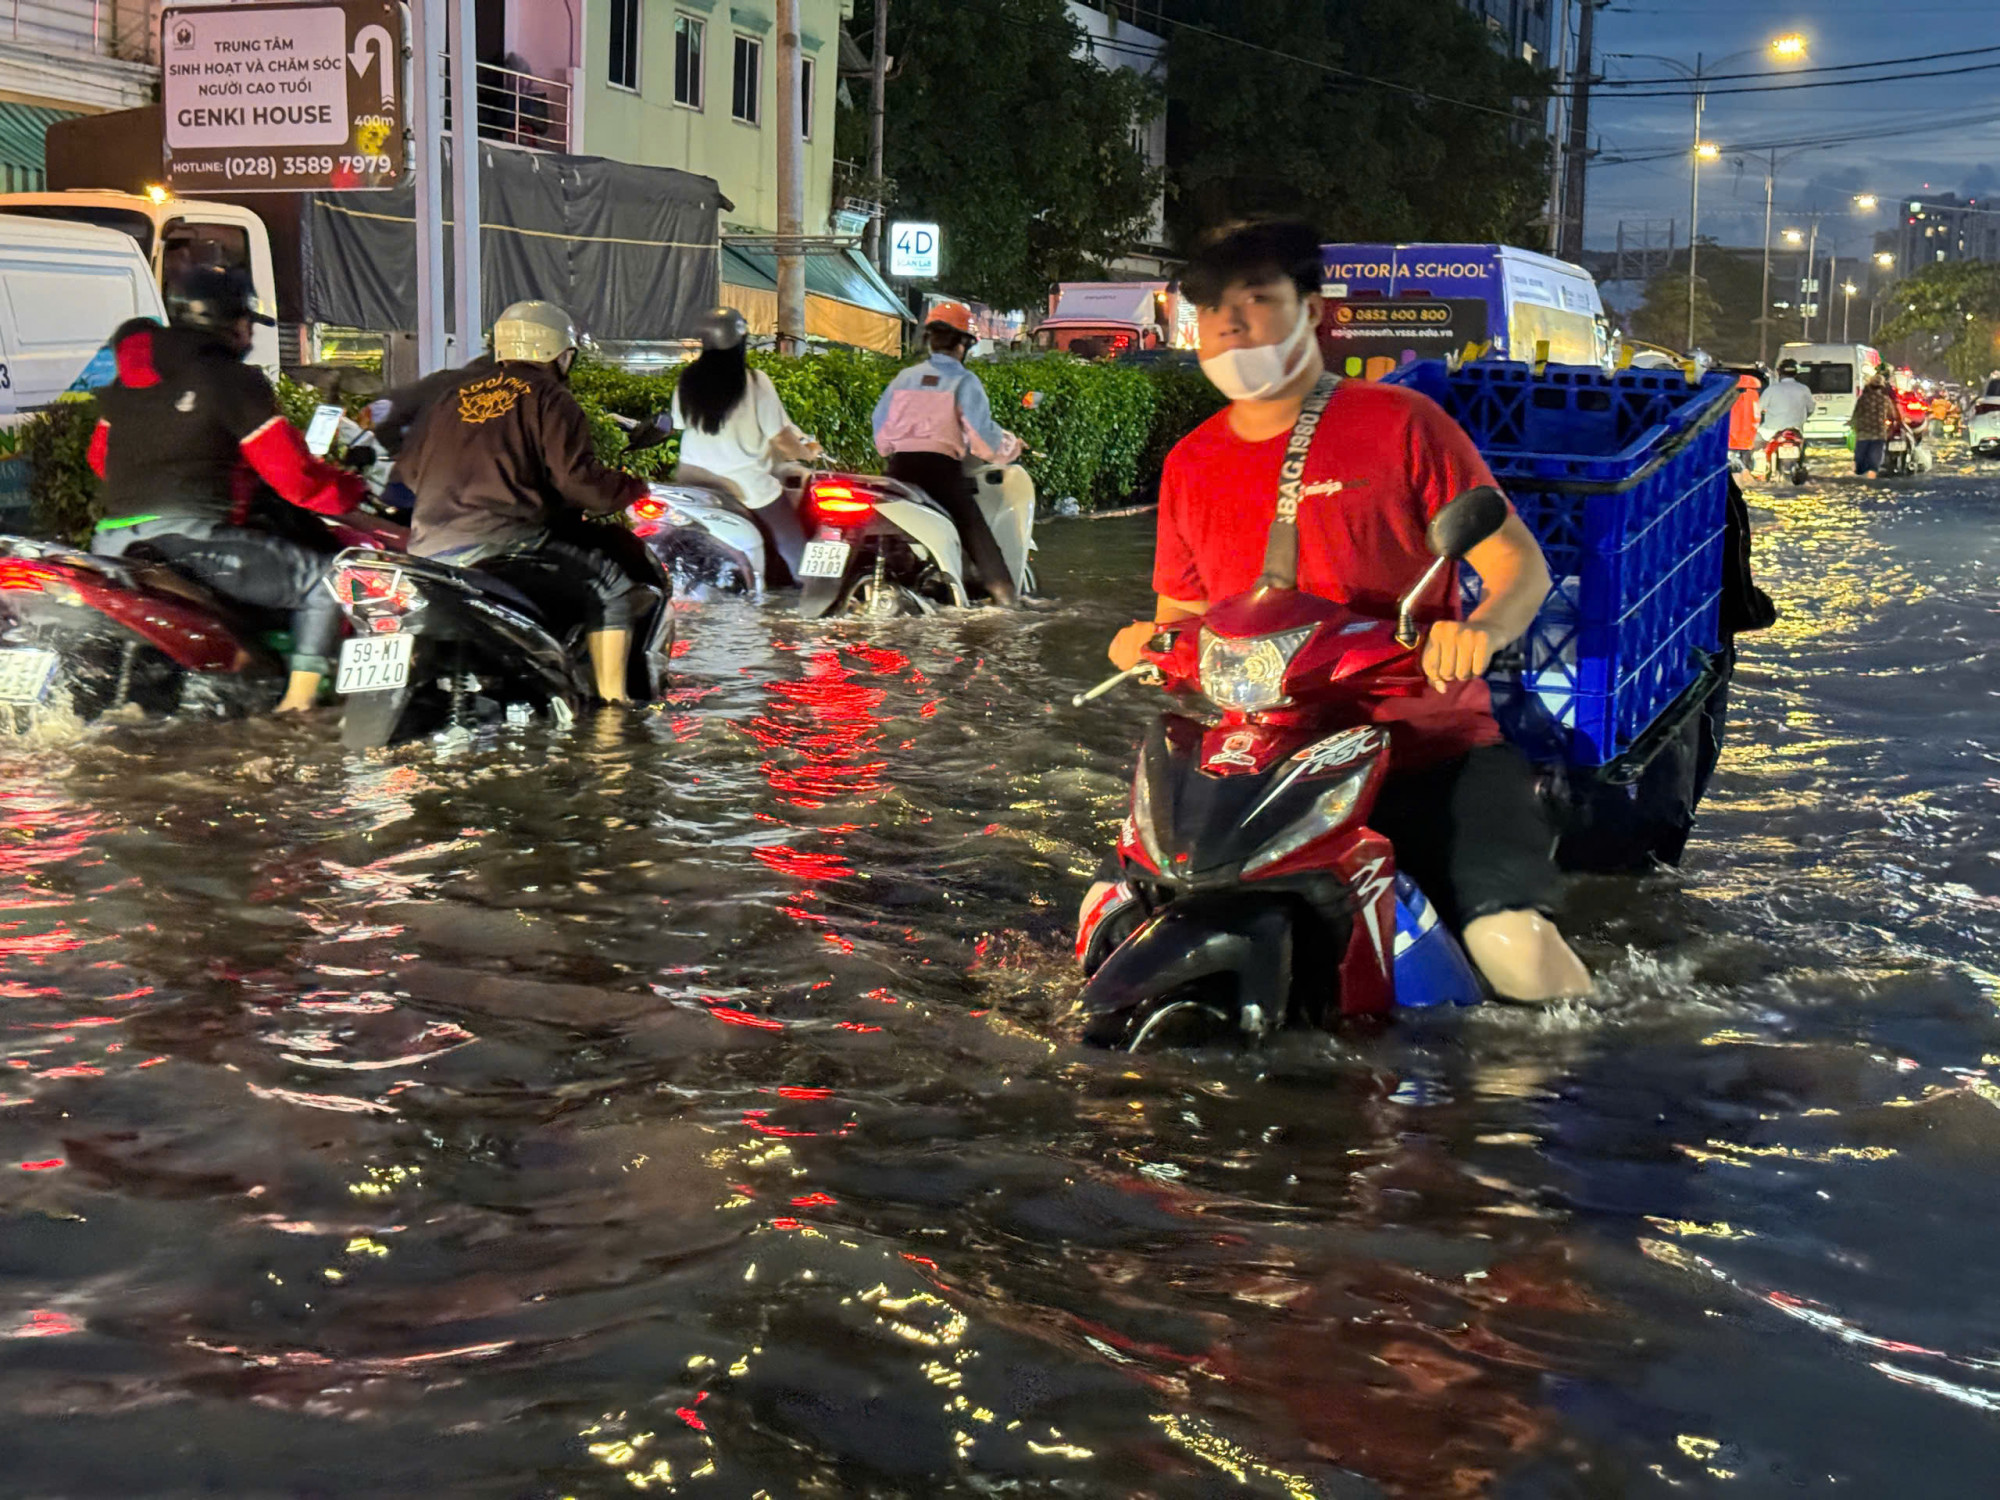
{"points": [[498, 455], [188, 429]]}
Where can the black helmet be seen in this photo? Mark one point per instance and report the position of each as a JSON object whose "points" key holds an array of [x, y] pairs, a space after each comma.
{"points": [[214, 299], [721, 328], [1788, 367]]}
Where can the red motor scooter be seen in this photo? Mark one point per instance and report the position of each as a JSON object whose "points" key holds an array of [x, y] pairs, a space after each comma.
{"points": [[83, 635], [1253, 894]]}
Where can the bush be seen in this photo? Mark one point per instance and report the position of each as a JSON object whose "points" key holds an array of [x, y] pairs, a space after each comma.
{"points": [[1103, 430]]}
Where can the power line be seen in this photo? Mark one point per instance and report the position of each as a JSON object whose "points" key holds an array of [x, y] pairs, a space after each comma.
{"points": [[1880, 62], [1845, 138], [1824, 83]]}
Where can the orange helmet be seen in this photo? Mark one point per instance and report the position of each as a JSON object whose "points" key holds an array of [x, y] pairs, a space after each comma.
{"points": [[951, 315]]}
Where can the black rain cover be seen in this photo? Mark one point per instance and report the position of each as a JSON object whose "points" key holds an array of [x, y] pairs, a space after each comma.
{"points": [[631, 253]]}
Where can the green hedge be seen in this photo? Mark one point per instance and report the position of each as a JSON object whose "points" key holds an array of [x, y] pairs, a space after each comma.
{"points": [[1101, 431]]}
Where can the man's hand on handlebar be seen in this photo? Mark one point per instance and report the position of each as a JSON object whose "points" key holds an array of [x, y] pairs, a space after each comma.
{"points": [[1457, 651], [1130, 644]]}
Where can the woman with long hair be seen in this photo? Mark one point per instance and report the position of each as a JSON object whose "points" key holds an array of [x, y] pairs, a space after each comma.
{"points": [[735, 434]]}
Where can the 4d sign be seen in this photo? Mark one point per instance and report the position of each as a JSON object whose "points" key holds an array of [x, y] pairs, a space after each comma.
{"points": [[913, 251], [282, 98]]}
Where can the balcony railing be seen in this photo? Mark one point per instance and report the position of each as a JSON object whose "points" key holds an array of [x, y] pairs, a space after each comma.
{"points": [[520, 109], [122, 29]]}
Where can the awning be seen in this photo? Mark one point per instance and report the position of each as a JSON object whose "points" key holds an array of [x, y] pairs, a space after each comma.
{"points": [[24, 130], [842, 275]]}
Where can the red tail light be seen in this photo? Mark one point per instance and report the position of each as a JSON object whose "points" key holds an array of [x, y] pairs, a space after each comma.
{"points": [[24, 577], [838, 501], [378, 589], [648, 509]]}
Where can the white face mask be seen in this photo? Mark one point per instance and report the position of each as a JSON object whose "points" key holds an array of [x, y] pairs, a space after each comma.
{"points": [[1262, 371]]}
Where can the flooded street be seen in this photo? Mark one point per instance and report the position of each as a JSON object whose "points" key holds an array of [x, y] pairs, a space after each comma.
{"points": [[690, 1105]]}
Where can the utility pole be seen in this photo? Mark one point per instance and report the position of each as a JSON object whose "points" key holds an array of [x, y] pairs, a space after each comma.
{"points": [[1576, 153], [878, 110], [1558, 130], [1694, 198], [471, 320], [1764, 301], [791, 186], [427, 41]]}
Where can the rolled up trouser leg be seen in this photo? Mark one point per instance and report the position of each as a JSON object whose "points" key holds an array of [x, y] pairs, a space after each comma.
{"points": [[250, 566]]}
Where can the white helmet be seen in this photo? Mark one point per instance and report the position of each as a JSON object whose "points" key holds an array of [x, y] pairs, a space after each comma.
{"points": [[538, 332]]}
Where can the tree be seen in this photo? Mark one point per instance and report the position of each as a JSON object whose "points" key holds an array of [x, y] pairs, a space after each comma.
{"points": [[1016, 143], [1272, 110], [1958, 304], [1662, 317]]}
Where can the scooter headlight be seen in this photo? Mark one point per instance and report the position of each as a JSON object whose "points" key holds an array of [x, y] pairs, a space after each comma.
{"points": [[1329, 810], [1248, 674]]}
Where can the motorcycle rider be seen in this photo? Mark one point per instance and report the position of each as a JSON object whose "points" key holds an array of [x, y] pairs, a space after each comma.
{"points": [[186, 437], [735, 432], [503, 452], [927, 419], [1460, 805], [1787, 406]]}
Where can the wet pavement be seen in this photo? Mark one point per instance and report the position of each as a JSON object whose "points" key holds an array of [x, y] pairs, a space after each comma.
{"points": [[690, 1106]]}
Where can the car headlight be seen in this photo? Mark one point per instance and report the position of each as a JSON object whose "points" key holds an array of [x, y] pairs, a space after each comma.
{"points": [[1248, 674], [1329, 810], [1142, 817]]}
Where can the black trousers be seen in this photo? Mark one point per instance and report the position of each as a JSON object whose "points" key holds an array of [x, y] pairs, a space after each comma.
{"points": [[944, 479], [576, 573], [250, 566]]}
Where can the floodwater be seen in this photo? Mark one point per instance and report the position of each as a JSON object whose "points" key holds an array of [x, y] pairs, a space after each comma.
{"points": [[691, 1106]]}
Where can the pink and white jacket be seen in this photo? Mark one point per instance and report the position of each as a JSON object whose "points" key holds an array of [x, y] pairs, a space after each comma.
{"points": [[939, 406]]}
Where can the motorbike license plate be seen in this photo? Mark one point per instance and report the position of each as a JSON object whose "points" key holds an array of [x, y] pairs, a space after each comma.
{"points": [[375, 664], [824, 560], [25, 674]]}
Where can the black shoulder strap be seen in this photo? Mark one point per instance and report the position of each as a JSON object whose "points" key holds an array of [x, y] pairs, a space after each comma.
{"points": [[1281, 549]]}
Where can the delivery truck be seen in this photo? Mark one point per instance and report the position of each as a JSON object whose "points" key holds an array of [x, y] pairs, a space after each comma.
{"points": [[1106, 319]]}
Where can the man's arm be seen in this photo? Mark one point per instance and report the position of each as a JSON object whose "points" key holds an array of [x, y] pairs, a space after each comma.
{"points": [[1515, 577], [574, 469]]}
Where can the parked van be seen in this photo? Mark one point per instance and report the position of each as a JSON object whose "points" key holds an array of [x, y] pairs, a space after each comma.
{"points": [[64, 288], [1835, 373], [1387, 305], [172, 234]]}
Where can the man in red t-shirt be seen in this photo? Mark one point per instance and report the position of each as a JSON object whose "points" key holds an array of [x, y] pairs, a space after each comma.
{"points": [[1460, 804]]}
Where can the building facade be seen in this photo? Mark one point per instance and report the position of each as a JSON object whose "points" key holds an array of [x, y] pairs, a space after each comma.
{"points": [[62, 58], [1932, 228], [1523, 29]]}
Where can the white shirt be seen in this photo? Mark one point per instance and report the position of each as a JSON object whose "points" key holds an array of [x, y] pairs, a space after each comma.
{"points": [[1787, 405], [741, 451]]}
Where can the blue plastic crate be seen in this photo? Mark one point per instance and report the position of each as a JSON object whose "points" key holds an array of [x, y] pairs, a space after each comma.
{"points": [[1624, 479]]}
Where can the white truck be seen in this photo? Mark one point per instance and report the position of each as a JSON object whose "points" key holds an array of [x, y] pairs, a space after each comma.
{"points": [[1104, 319], [172, 234]]}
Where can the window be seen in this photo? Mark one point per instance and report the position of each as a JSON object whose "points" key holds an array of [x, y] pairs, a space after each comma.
{"points": [[806, 98], [747, 80], [1828, 379], [690, 43], [625, 44]]}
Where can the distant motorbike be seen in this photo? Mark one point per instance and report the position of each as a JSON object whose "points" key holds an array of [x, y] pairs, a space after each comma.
{"points": [[1785, 455], [1906, 454], [1253, 895], [883, 548]]}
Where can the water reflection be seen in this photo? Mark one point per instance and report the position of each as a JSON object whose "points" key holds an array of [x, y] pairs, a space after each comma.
{"points": [[687, 1106]]}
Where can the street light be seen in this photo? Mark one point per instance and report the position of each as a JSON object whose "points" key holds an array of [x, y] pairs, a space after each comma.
{"points": [[1866, 202], [1795, 236], [1790, 47], [1885, 260], [1848, 289]]}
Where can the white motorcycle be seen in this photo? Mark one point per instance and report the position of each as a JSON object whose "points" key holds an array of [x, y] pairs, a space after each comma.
{"points": [[705, 539], [882, 548]]}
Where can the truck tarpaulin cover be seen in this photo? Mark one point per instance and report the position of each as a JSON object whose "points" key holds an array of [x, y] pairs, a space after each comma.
{"points": [[631, 253]]}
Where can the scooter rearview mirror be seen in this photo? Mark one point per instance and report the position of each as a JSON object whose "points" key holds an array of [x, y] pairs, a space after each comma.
{"points": [[1466, 522], [650, 433]]}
